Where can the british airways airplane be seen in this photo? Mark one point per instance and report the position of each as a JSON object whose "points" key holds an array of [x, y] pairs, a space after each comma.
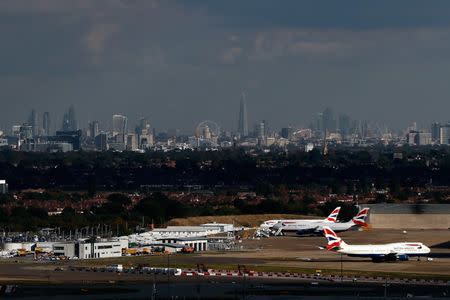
{"points": [[317, 227], [330, 219], [378, 252]]}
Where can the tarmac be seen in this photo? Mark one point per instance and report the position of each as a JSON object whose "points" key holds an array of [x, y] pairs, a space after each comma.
{"points": [[290, 254]]}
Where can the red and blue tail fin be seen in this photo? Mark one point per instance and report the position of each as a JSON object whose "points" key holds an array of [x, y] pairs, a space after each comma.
{"points": [[360, 218], [332, 218], [334, 242]]}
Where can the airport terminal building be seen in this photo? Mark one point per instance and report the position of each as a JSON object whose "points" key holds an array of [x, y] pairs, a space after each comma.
{"points": [[409, 216]]}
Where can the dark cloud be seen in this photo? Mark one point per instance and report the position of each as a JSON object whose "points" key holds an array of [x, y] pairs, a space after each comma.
{"points": [[180, 62]]}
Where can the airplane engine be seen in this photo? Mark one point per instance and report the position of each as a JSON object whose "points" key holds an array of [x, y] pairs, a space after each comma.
{"points": [[402, 257]]}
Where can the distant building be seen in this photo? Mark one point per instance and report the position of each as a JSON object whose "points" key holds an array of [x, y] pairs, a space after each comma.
{"points": [[328, 120], [93, 129], [146, 141], [436, 132], [69, 120], [417, 138], [33, 122], [287, 132], [132, 142], [3, 142], [423, 138], [101, 142], [89, 249], [3, 186], [344, 125], [243, 122], [46, 123], [119, 123], [69, 137], [444, 135]]}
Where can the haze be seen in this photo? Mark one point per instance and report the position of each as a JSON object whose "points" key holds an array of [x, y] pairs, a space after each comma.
{"points": [[181, 62]]}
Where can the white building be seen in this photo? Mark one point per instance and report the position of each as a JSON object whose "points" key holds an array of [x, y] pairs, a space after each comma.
{"points": [[86, 249], [185, 231], [198, 243], [3, 186], [100, 249], [222, 227]]}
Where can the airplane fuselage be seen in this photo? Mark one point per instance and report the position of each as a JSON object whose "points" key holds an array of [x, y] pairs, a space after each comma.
{"points": [[385, 250]]}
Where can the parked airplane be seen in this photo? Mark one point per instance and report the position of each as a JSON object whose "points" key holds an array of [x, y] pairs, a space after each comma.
{"points": [[357, 221], [379, 252], [280, 225]]}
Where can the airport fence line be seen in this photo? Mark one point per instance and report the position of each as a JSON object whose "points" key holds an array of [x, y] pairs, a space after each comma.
{"points": [[267, 275]]}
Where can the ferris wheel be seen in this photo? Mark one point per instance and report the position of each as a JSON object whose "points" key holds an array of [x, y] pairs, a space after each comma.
{"points": [[207, 129]]}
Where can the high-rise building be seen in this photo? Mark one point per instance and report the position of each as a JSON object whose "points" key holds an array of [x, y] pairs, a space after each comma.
{"points": [[262, 129], [143, 127], [33, 122], [344, 125], [243, 122], [435, 131], [69, 120], [418, 138], [120, 127], [132, 142], [444, 134], [328, 121], [73, 125], [287, 132], [101, 141], [93, 129], [65, 122], [46, 123]]}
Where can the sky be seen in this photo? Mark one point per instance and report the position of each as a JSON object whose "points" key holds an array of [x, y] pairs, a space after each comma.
{"points": [[181, 62]]}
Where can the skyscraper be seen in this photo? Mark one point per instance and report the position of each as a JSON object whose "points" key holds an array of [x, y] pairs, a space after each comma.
{"points": [[444, 134], [65, 122], [243, 122], [33, 122], [73, 125], [120, 127], [69, 120], [435, 131], [46, 123], [328, 121], [143, 127], [344, 125], [93, 129]]}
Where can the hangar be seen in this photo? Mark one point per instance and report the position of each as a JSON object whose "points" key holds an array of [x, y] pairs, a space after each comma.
{"points": [[409, 216]]}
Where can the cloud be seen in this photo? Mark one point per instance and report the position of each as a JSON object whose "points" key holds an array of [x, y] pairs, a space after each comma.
{"points": [[44, 6]]}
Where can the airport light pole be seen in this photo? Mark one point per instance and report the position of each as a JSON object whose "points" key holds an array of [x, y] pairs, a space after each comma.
{"points": [[168, 275], [342, 277]]}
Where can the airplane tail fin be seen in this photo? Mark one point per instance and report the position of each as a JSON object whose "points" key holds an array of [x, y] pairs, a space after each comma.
{"points": [[332, 218], [360, 218], [334, 242]]}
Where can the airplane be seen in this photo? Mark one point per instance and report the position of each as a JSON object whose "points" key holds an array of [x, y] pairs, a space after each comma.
{"points": [[378, 252], [357, 221], [301, 223]]}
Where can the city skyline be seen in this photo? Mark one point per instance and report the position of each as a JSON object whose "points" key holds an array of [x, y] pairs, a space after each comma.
{"points": [[181, 62], [42, 123]]}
